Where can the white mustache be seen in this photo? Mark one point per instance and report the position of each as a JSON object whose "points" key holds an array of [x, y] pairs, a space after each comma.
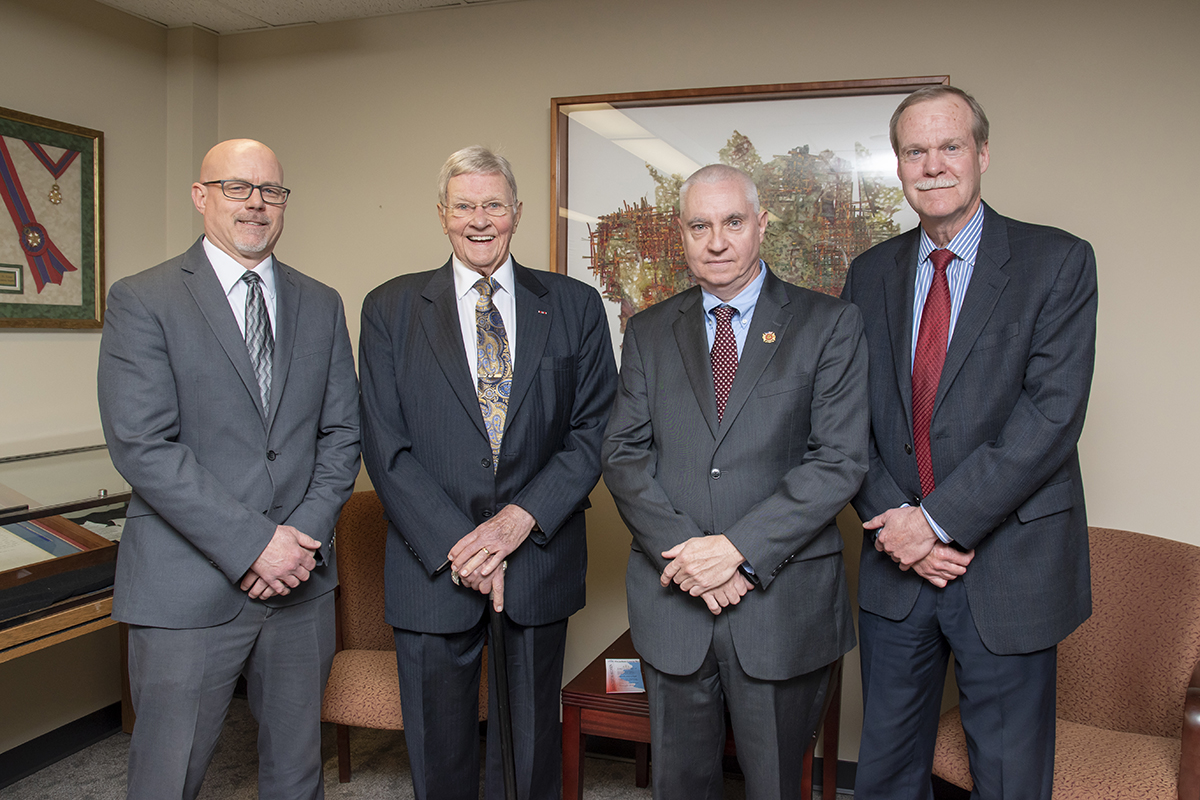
{"points": [[936, 183]]}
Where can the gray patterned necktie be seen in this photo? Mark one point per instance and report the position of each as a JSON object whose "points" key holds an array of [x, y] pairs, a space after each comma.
{"points": [[260, 342]]}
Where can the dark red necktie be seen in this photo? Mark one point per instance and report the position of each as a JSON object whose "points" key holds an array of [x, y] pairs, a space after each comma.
{"points": [[724, 356], [927, 363]]}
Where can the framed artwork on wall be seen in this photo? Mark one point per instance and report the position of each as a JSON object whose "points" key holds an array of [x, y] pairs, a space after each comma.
{"points": [[818, 152], [51, 227]]}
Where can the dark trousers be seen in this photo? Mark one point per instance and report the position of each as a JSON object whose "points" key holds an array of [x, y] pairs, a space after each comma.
{"points": [[439, 694], [773, 722], [182, 682], [1007, 704]]}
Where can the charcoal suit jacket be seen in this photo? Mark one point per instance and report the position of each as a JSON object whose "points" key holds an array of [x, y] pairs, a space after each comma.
{"points": [[786, 457], [212, 474]]}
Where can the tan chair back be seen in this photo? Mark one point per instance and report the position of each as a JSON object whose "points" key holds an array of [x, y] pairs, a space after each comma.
{"points": [[1127, 667], [360, 542]]}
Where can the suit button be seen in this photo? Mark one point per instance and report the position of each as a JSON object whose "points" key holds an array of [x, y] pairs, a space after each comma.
{"points": [[907, 449], [270, 455], [716, 473], [486, 513], [485, 462]]}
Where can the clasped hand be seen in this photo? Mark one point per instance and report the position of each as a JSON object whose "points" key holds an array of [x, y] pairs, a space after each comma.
{"points": [[478, 556], [906, 536], [707, 567], [287, 561]]}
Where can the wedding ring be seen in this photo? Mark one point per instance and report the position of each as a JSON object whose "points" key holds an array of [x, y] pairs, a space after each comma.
{"points": [[454, 576], [485, 551]]}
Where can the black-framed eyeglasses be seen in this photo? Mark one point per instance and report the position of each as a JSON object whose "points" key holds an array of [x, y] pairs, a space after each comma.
{"points": [[241, 190], [493, 208]]}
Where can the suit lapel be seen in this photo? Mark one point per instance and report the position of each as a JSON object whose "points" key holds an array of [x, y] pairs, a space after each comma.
{"points": [[899, 285], [201, 281], [770, 314], [692, 341], [439, 320], [287, 312], [533, 331], [987, 282]]}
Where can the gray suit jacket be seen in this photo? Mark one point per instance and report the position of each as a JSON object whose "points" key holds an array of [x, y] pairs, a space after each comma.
{"points": [[211, 475], [1008, 413], [788, 455], [428, 453]]}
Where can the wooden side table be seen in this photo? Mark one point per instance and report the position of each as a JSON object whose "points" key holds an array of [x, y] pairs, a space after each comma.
{"points": [[589, 709]]}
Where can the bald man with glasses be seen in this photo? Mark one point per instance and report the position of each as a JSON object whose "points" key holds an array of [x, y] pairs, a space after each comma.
{"points": [[230, 405]]}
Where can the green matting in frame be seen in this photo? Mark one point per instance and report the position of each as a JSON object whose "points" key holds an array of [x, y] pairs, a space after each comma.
{"points": [[51, 224]]}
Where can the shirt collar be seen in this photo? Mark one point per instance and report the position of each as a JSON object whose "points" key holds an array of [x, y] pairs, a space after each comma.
{"points": [[965, 243], [229, 271], [745, 300], [465, 278]]}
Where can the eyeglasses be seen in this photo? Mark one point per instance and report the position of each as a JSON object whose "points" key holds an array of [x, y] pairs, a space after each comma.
{"points": [[241, 190], [493, 208]]}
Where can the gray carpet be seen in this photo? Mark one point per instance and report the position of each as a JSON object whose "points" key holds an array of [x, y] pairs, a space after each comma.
{"points": [[380, 770]]}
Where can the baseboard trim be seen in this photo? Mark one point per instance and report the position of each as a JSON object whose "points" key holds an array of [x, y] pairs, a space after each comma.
{"points": [[36, 754]]}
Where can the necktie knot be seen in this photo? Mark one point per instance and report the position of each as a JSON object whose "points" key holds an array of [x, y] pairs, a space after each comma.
{"points": [[486, 288], [251, 277], [724, 314], [941, 259]]}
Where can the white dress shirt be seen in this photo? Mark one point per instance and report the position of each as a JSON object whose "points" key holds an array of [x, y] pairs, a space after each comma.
{"points": [[504, 299]]}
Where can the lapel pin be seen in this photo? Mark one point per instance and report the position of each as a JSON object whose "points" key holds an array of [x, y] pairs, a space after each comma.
{"points": [[769, 337], [543, 313]]}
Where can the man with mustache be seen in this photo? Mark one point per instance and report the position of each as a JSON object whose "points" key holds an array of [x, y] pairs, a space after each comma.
{"points": [[981, 332], [229, 403]]}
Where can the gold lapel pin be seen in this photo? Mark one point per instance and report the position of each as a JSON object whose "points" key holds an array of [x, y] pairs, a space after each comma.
{"points": [[769, 337]]}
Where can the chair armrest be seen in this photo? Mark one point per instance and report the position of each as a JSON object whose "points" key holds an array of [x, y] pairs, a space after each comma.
{"points": [[1189, 759]]}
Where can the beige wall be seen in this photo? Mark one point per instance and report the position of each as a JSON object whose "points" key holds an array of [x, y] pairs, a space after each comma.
{"points": [[87, 64], [1092, 107]]}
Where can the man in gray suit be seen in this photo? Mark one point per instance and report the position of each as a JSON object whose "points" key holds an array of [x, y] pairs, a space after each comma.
{"points": [[485, 389], [738, 434], [229, 402], [982, 335]]}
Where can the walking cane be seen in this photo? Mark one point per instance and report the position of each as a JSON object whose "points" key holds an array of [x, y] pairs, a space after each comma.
{"points": [[499, 657]]}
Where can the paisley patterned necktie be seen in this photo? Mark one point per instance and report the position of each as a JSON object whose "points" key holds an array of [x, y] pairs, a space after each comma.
{"points": [[494, 365]]}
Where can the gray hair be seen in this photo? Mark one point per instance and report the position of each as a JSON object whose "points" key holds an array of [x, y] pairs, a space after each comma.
{"points": [[475, 160], [716, 173], [979, 128]]}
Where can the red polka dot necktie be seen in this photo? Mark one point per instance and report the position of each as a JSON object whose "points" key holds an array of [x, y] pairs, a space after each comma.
{"points": [[927, 363], [724, 356]]}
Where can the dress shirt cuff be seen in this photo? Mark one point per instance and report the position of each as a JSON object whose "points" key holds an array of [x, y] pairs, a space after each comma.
{"points": [[937, 529]]}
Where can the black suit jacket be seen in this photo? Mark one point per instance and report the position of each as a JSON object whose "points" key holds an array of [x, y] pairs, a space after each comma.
{"points": [[1008, 413], [786, 457], [428, 454]]}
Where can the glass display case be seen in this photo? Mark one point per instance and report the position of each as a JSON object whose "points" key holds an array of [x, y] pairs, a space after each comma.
{"points": [[61, 515]]}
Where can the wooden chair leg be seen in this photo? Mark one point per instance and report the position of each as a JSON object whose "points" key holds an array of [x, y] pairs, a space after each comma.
{"points": [[806, 769], [833, 725], [641, 761], [343, 745]]}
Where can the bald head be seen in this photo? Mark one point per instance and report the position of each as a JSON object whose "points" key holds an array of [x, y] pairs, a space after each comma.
{"points": [[230, 152], [246, 230]]}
